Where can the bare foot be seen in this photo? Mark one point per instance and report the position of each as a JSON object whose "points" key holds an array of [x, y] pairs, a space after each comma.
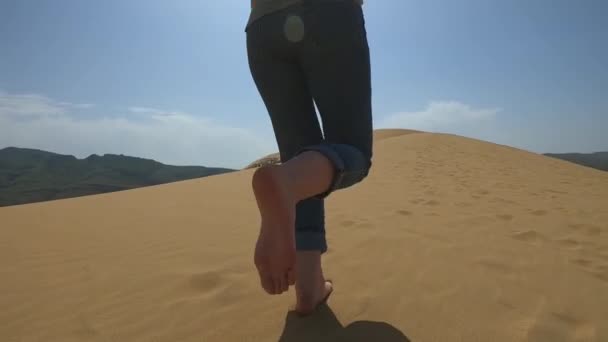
{"points": [[312, 289], [307, 304], [275, 252]]}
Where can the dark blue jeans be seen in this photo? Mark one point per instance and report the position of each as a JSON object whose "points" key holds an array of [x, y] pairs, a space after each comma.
{"points": [[312, 53]]}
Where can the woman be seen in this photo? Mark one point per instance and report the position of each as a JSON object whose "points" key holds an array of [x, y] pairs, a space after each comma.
{"points": [[302, 53]]}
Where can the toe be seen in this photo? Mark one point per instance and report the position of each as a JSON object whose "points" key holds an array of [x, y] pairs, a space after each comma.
{"points": [[278, 284], [284, 284], [267, 283], [291, 277]]}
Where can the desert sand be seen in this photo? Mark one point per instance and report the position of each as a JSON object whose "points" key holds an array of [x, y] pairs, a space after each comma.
{"points": [[449, 239]]}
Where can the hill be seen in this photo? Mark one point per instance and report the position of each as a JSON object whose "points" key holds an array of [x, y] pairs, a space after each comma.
{"points": [[29, 175], [597, 160]]}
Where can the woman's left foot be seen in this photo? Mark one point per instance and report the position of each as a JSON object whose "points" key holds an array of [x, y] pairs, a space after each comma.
{"points": [[311, 287], [309, 302]]}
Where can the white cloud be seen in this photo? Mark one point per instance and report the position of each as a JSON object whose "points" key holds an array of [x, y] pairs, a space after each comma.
{"points": [[170, 137], [144, 110], [34, 105], [77, 105], [441, 116], [538, 133], [29, 105]]}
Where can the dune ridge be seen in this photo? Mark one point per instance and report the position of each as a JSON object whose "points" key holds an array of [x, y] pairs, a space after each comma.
{"points": [[449, 239]]}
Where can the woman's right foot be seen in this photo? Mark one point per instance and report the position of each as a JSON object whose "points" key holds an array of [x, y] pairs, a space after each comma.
{"points": [[275, 253]]}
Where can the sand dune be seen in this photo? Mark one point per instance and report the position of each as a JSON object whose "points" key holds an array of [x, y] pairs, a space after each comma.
{"points": [[449, 239]]}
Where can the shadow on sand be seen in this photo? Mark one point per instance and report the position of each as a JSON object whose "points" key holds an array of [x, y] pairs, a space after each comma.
{"points": [[323, 326]]}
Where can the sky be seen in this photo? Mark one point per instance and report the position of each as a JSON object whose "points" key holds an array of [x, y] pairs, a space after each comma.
{"points": [[169, 80]]}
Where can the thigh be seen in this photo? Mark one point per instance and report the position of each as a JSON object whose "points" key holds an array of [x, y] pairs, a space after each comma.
{"points": [[337, 67], [284, 89]]}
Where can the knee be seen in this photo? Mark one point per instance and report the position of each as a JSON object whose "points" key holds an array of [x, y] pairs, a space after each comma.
{"points": [[368, 168], [365, 163], [354, 174]]}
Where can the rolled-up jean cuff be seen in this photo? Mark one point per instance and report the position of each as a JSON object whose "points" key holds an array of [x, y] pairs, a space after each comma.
{"points": [[311, 241], [336, 161]]}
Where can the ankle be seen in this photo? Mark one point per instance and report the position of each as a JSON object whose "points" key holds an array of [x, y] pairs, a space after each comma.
{"points": [[311, 288]]}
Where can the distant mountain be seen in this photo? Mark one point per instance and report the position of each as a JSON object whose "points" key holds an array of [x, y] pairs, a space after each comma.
{"points": [[28, 175], [597, 160]]}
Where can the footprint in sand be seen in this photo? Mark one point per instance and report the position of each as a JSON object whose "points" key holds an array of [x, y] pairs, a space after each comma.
{"points": [[601, 274], [365, 225], [528, 236], [582, 262], [569, 243], [404, 212], [556, 192], [503, 201], [589, 229], [598, 271], [205, 281], [431, 202], [505, 217], [593, 230], [576, 226], [558, 326], [347, 223], [417, 201], [539, 212], [221, 286], [496, 266], [601, 255]]}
